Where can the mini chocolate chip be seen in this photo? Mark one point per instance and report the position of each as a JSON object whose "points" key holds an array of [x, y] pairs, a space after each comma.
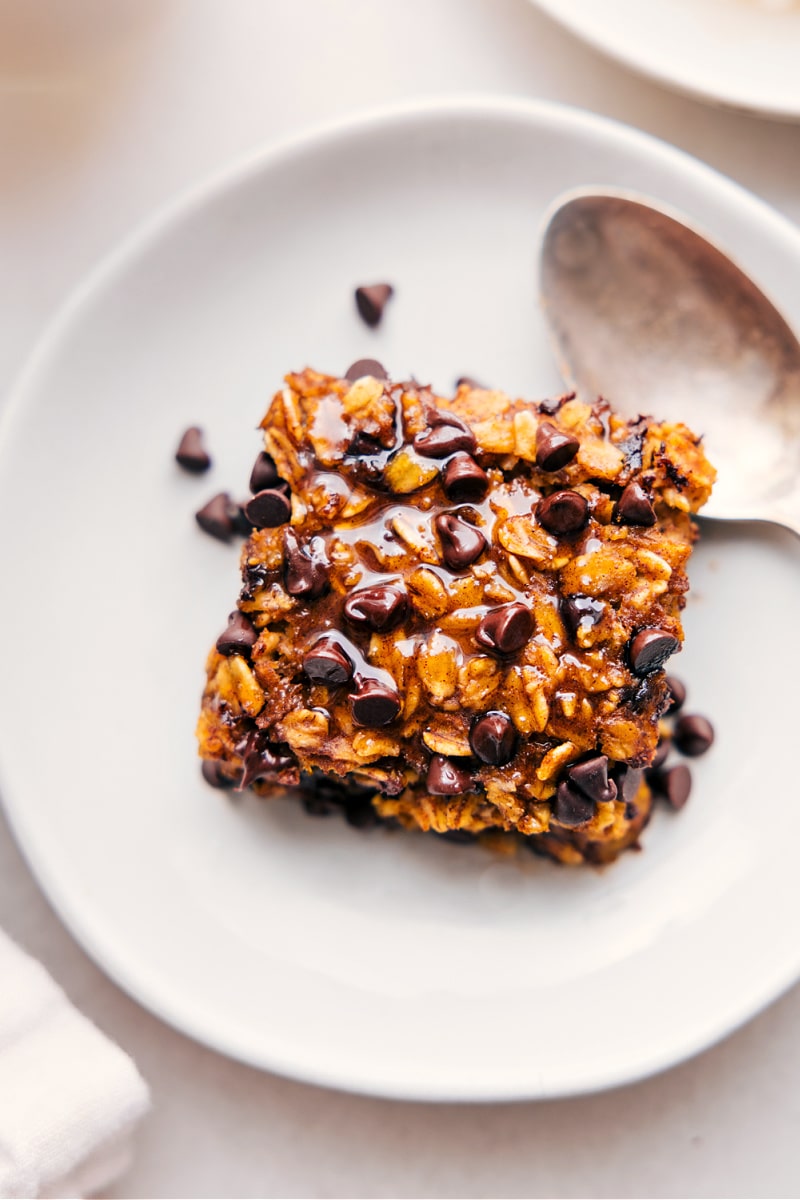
{"points": [[214, 775], [462, 543], [268, 508], [470, 382], [215, 517], [326, 662], [493, 739], [673, 785], [554, 449], [191, 453], [581, 613], [677, 694], [463, 480], [662, 751], [506, 629], [591, 778], [365, 366], [650, 649], [371, 301], [264, 473], [693, 735], [263, 759], [446, 777], [239, 637], [446, 434], [572, 808], [306, 567], [374, 704], [634, 507], [379, 608], [562, 513]]}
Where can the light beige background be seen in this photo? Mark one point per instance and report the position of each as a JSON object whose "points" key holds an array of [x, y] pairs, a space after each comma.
{"points": [[108, 108]]}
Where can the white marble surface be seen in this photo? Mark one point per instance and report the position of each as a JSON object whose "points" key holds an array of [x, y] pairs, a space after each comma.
{"points": [[107, 108]]}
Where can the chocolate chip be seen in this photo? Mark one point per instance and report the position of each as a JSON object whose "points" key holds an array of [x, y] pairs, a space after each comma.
{"points": [[677, 694], [326, 662], [371, 301], [365, 366], [463, 480], [649, 650], [506, 629], [264, 473], [268, 508], [562, 513], [628, 781], [306, 567], [662, 751], [673, 785], [693, 735], [446, 434], [263, 759], [572, 808], [591, 778], [374, 704], [554, 449], [447, 778], [214, 775], [191, 453], [634, 507], [379, 608], [581, 613], [239, 637], [554, 403], [215, 517], [461, 542], [470, 382], [493, 739]]}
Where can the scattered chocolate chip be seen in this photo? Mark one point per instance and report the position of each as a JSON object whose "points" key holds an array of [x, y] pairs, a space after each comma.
{"points": [[506, 629], [215, 517], [306, 567], [649, 650], [263, 759], [268, 508], [493, 739], [446, 777], [673, 785], [239, 637], [264, 473], [326, 662], [591, 778], [634, 507], [462, 543], [572, 808], [215, 776], [677, 694], [446, 434], [581, 613], [379, 608], [365, 366], [191, 453], [371, 301], [374, 704], [463, 480], [554, 449], [563, 512], [554, 403], [693, 735], [470, 382], [662, 752]]}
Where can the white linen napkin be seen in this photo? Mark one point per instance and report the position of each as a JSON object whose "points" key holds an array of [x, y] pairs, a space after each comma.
{"points": [[69, 1098]]}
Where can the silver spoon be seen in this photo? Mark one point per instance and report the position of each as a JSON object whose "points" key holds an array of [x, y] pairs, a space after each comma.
{"points": [[645, 311]]}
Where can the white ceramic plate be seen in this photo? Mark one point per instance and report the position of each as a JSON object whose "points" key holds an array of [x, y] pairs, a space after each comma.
{"points": [[386, 964], [739, 52]]}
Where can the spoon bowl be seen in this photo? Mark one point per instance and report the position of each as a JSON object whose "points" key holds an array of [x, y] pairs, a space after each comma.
{"points": [[646, 311]]}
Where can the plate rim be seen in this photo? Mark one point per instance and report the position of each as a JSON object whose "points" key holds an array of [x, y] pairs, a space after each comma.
{"points": [[695, 90], [76, 916]]}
